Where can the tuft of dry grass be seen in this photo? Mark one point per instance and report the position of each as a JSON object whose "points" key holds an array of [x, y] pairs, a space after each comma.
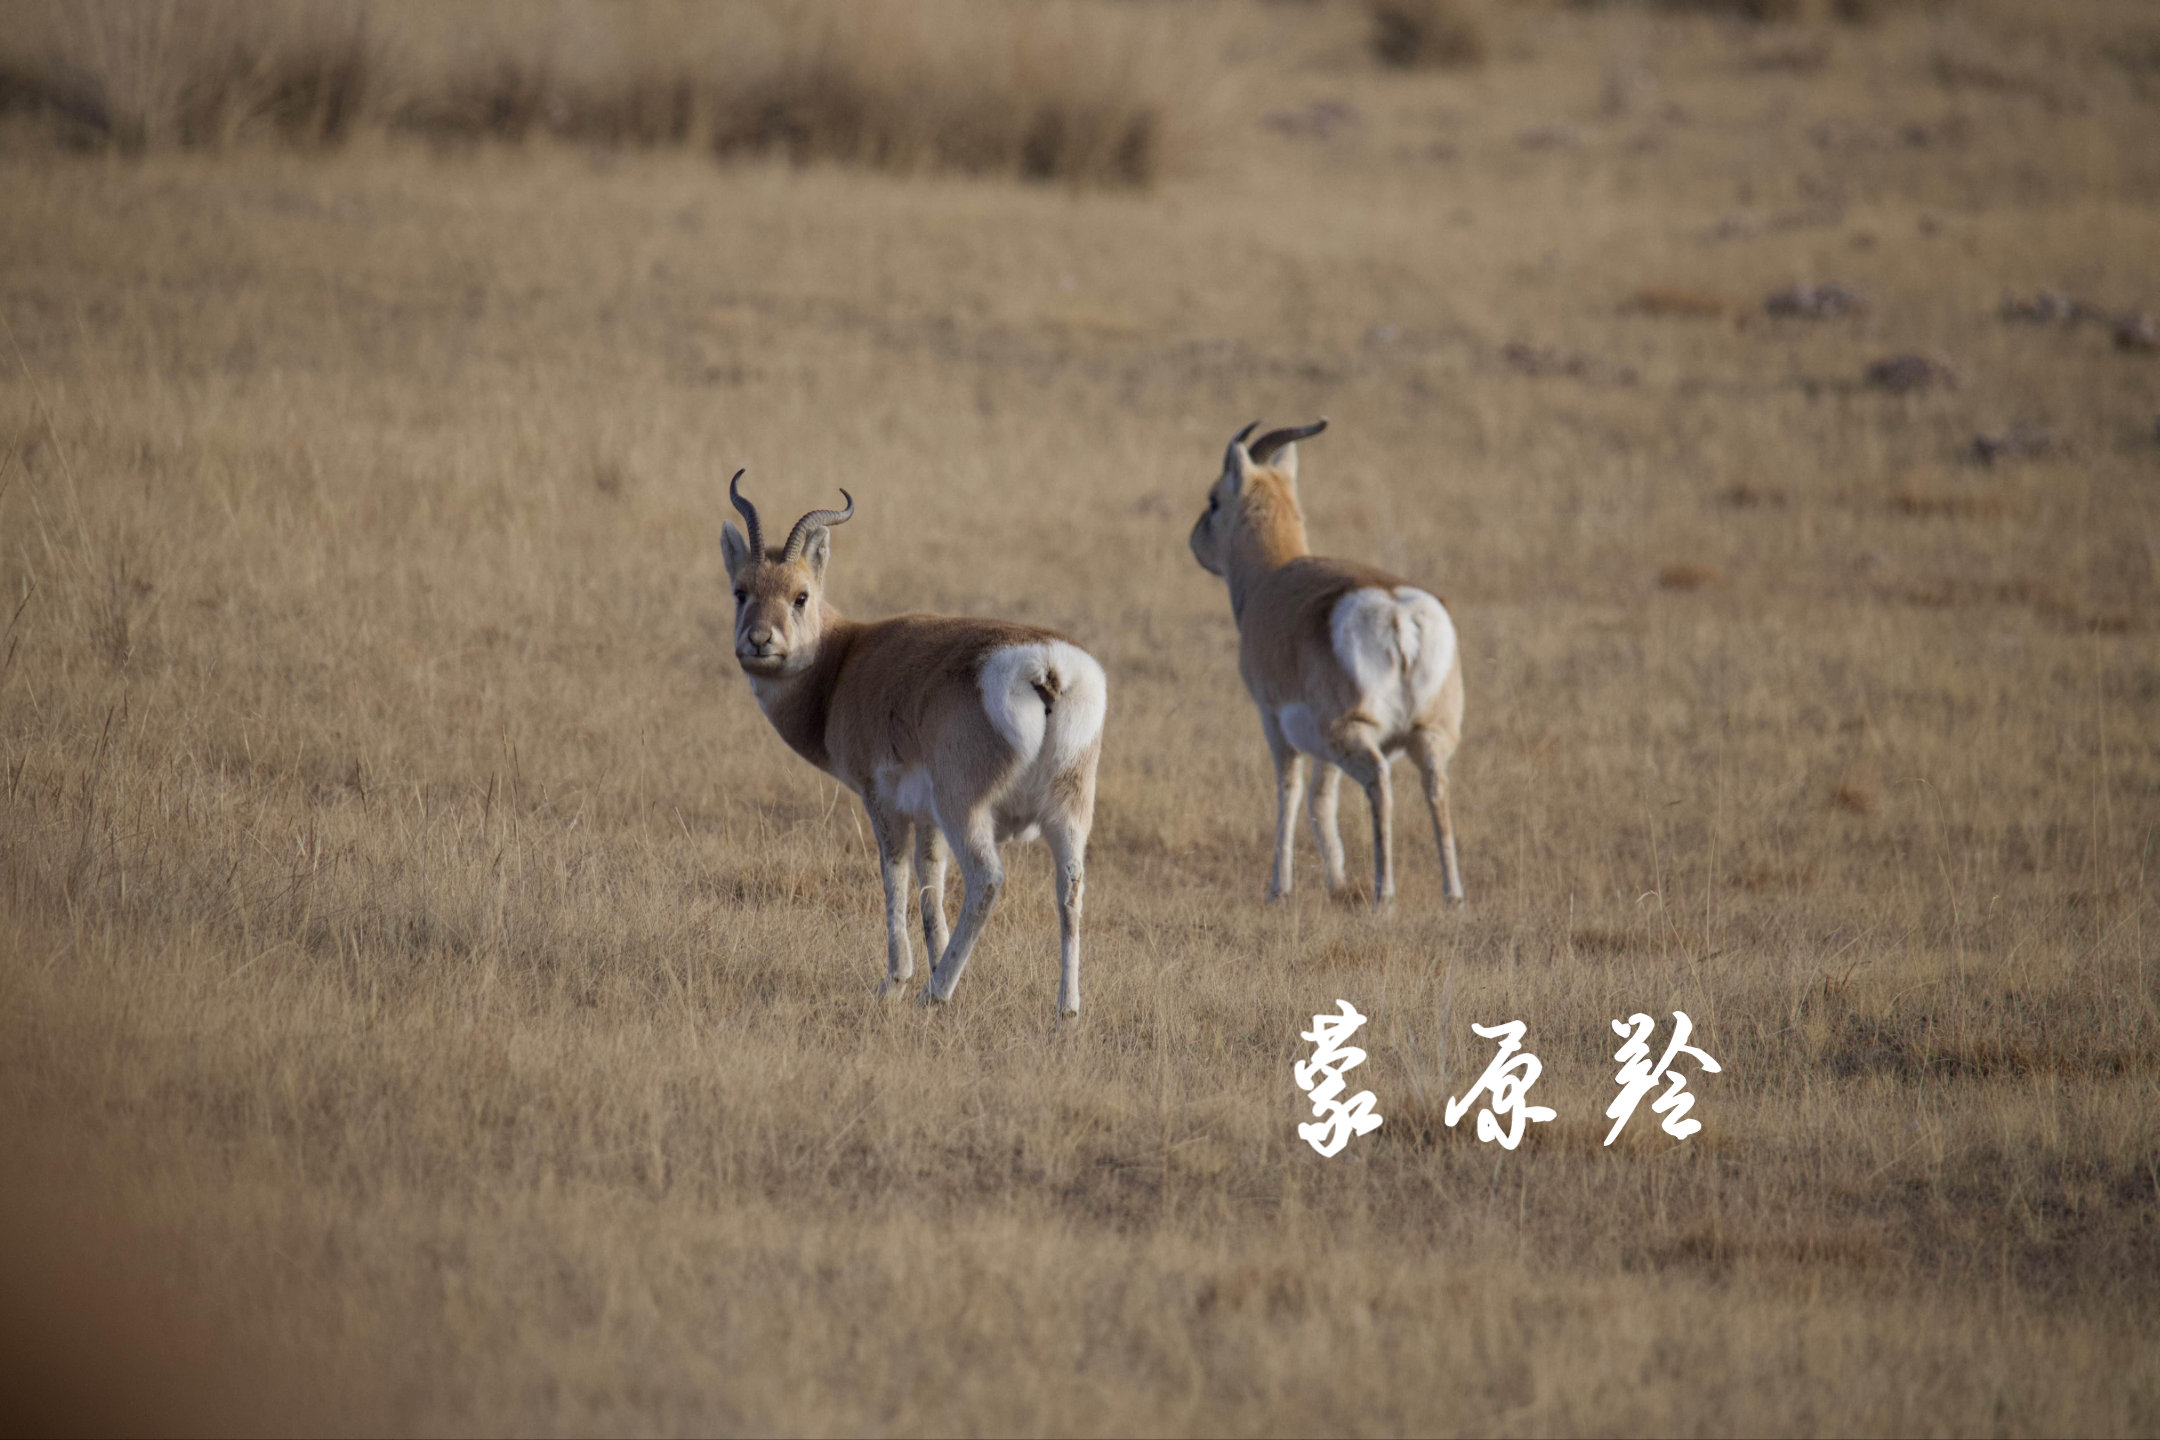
{"points": [[1756, 11], [162, 74], [1869, 12], [1858, 799], [1687, 575], [1747, 496], [1927, 501], [1426, 34], [1674, 300], [1060, 106], [1040, 92], [1761, 12]]}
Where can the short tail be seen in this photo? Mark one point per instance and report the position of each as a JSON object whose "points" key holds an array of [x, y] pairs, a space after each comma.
{"points": [[1076, 696]]}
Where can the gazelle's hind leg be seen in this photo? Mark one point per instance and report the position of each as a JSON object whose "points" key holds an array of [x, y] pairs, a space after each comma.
{"points": [[1428, 749], [1068, 851], [1289, 782], [930, 856], [1322, 806], [891, 831], [984, 874], [1358, 751]]}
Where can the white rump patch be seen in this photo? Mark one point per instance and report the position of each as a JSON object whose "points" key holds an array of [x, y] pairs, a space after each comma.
{"points": [[1014, 679], [1397, 649]]}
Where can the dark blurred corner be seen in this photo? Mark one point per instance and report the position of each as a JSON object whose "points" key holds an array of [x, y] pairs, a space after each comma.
{"points": [[99, 1333]]}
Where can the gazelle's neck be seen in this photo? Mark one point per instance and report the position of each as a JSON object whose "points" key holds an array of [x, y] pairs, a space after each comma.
{"points": [[798, 703], [1270, 534]]}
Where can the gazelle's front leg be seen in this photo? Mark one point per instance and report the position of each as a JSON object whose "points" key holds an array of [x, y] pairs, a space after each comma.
{"points": [[1289, 782], [892, 844], [1321, 806], [984, 875]]}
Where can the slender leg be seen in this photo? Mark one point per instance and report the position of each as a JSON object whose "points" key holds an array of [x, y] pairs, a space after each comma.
{"points": [[930, 855], [984, 875], [1327, 834], [892, 845], [1363, 762], [1289, 782], [1068, 850], [1426, 749]]}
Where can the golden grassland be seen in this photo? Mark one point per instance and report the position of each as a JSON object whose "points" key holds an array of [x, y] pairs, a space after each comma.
{"points": [[433, 1000]]}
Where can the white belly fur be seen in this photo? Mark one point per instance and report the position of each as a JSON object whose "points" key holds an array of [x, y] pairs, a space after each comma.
{"points": [[1301, 730], [908, 791]]}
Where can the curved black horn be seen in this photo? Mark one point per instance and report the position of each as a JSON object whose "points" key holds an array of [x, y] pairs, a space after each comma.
{"points": [[1274, 440], [801, 533], [749, 514]]}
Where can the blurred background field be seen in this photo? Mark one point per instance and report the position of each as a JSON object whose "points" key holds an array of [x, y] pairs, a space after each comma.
{"points": [[431, 998]]}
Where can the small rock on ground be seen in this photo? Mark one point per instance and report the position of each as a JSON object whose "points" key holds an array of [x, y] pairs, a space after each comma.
{"points": [[2137, 332], [1814, 302], [1904, 374]]}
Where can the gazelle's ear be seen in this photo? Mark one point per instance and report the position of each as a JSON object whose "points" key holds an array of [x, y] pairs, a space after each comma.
{"points": [[817, 549], [1285, 463], [1237, 461], [734, 549]]}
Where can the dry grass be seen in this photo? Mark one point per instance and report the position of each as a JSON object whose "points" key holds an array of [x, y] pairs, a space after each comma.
{"points": [[1050, 92], [432, 1000]]}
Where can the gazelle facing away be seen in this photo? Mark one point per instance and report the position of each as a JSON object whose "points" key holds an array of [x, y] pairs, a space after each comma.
{"points": [[1348, 665], [954, 732]]}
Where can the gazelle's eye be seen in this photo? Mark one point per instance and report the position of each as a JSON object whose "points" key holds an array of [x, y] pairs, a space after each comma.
{"points": [[1214, 502], [741, 595], [802, 599]]}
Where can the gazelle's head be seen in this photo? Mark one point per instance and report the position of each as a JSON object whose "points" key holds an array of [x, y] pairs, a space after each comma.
{"points": [[1257, 488], [779, 609]]}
